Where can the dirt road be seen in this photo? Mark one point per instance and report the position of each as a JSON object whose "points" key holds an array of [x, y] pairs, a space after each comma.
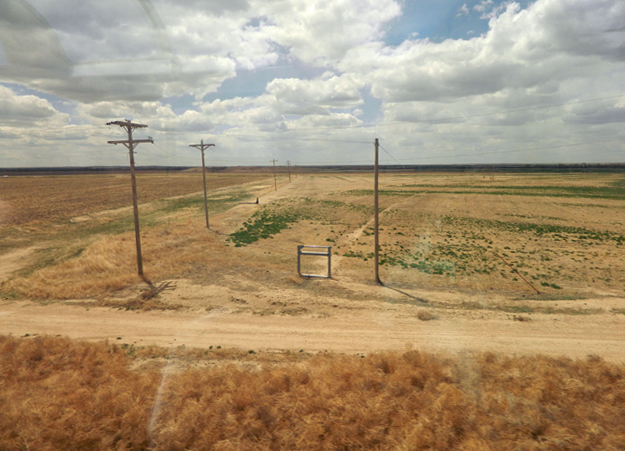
{"points": [[386, 326]]}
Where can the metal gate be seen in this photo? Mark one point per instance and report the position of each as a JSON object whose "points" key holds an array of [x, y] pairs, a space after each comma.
{"points": [[327, 253]]}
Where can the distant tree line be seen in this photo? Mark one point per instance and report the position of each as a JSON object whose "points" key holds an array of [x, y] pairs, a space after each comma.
{"points": [[485, 168]]}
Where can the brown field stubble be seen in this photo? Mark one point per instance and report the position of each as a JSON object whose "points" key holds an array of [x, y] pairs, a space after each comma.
{"points": [[47, 199], [60, 394]]}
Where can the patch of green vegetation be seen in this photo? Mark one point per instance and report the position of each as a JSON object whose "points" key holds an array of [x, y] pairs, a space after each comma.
{"points": [[263, 224], [214, 204], [518, 308], [51, 256], [616, 191], [370, 192], [439, 267], [537, 229], [117, 226], [551, 297], [552, 285]]}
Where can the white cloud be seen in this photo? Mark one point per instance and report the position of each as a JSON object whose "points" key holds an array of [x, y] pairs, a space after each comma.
{"points": [[321, 32], [523, 49], [295, 96], [483, 5], [117, 64], [28, 110]]}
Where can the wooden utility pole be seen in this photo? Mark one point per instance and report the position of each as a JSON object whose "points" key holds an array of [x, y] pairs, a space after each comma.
{"points": [[288, 165], [203, 147], [376, 218], [275, 182], [130, 145]]}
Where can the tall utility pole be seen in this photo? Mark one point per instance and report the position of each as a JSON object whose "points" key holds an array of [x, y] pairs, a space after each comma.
{"points": [[288, 165], [130, 145], [275, 182], [203, 147], [376, 219]]}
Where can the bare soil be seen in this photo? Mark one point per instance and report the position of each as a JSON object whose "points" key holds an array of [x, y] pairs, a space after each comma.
{"points": [[350, 314]]}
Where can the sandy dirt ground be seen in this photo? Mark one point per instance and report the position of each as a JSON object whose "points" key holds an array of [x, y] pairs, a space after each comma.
{"points": [[376, 327], [256, 318]]}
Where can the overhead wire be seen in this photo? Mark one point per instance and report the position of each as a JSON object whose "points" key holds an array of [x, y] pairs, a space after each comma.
{"points": [[518, 110], [513, 150], [387, 153], [453, 118], [286, 138], [431, 121]]}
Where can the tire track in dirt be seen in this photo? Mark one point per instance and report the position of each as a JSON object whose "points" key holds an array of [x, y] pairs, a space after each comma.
{"points": [[350, 238], [15, 260], [366, 331]]}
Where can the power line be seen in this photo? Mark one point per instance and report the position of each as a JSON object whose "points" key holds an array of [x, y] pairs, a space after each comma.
{"points": [[386, 152], [285, 138], [167, 152], [542, 107], [512, 151], [445, 119]]}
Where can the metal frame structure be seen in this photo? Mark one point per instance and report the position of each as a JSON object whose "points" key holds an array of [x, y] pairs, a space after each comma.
{"points": [[328, 254]]}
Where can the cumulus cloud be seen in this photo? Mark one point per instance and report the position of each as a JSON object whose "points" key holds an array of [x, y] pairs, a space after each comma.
{"points": [[331, 71], [321, 32], [319, 96], [27, 110], [142, 50], [522, 49]]}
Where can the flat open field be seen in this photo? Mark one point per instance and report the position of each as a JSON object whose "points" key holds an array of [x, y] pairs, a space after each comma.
{"points": [[501, 262], [47, 199], [488, 271]]}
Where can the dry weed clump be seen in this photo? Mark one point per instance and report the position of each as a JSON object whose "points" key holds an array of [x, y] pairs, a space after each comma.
{"points": [[426, 315], [59, 394], [110, 263]]}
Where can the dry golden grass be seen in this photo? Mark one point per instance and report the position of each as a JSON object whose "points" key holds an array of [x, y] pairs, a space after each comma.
{"points": [[59, 394], [169, 250]]}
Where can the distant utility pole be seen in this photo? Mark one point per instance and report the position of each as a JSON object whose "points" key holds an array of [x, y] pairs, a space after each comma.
{"points": [[203, 147], [275, 182], [288, 165], [376, 218], [130, 145]]}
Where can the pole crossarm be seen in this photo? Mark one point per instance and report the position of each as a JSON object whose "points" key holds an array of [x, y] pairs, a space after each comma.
{"points": [[202, 146], [127, 141], [127, 123]]}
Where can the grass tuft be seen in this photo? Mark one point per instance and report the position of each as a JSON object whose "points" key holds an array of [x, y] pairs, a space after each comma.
{"points": [[425, 315]]}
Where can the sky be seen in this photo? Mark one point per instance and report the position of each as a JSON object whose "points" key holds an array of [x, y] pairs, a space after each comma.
{"points": [[312, 82]]}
